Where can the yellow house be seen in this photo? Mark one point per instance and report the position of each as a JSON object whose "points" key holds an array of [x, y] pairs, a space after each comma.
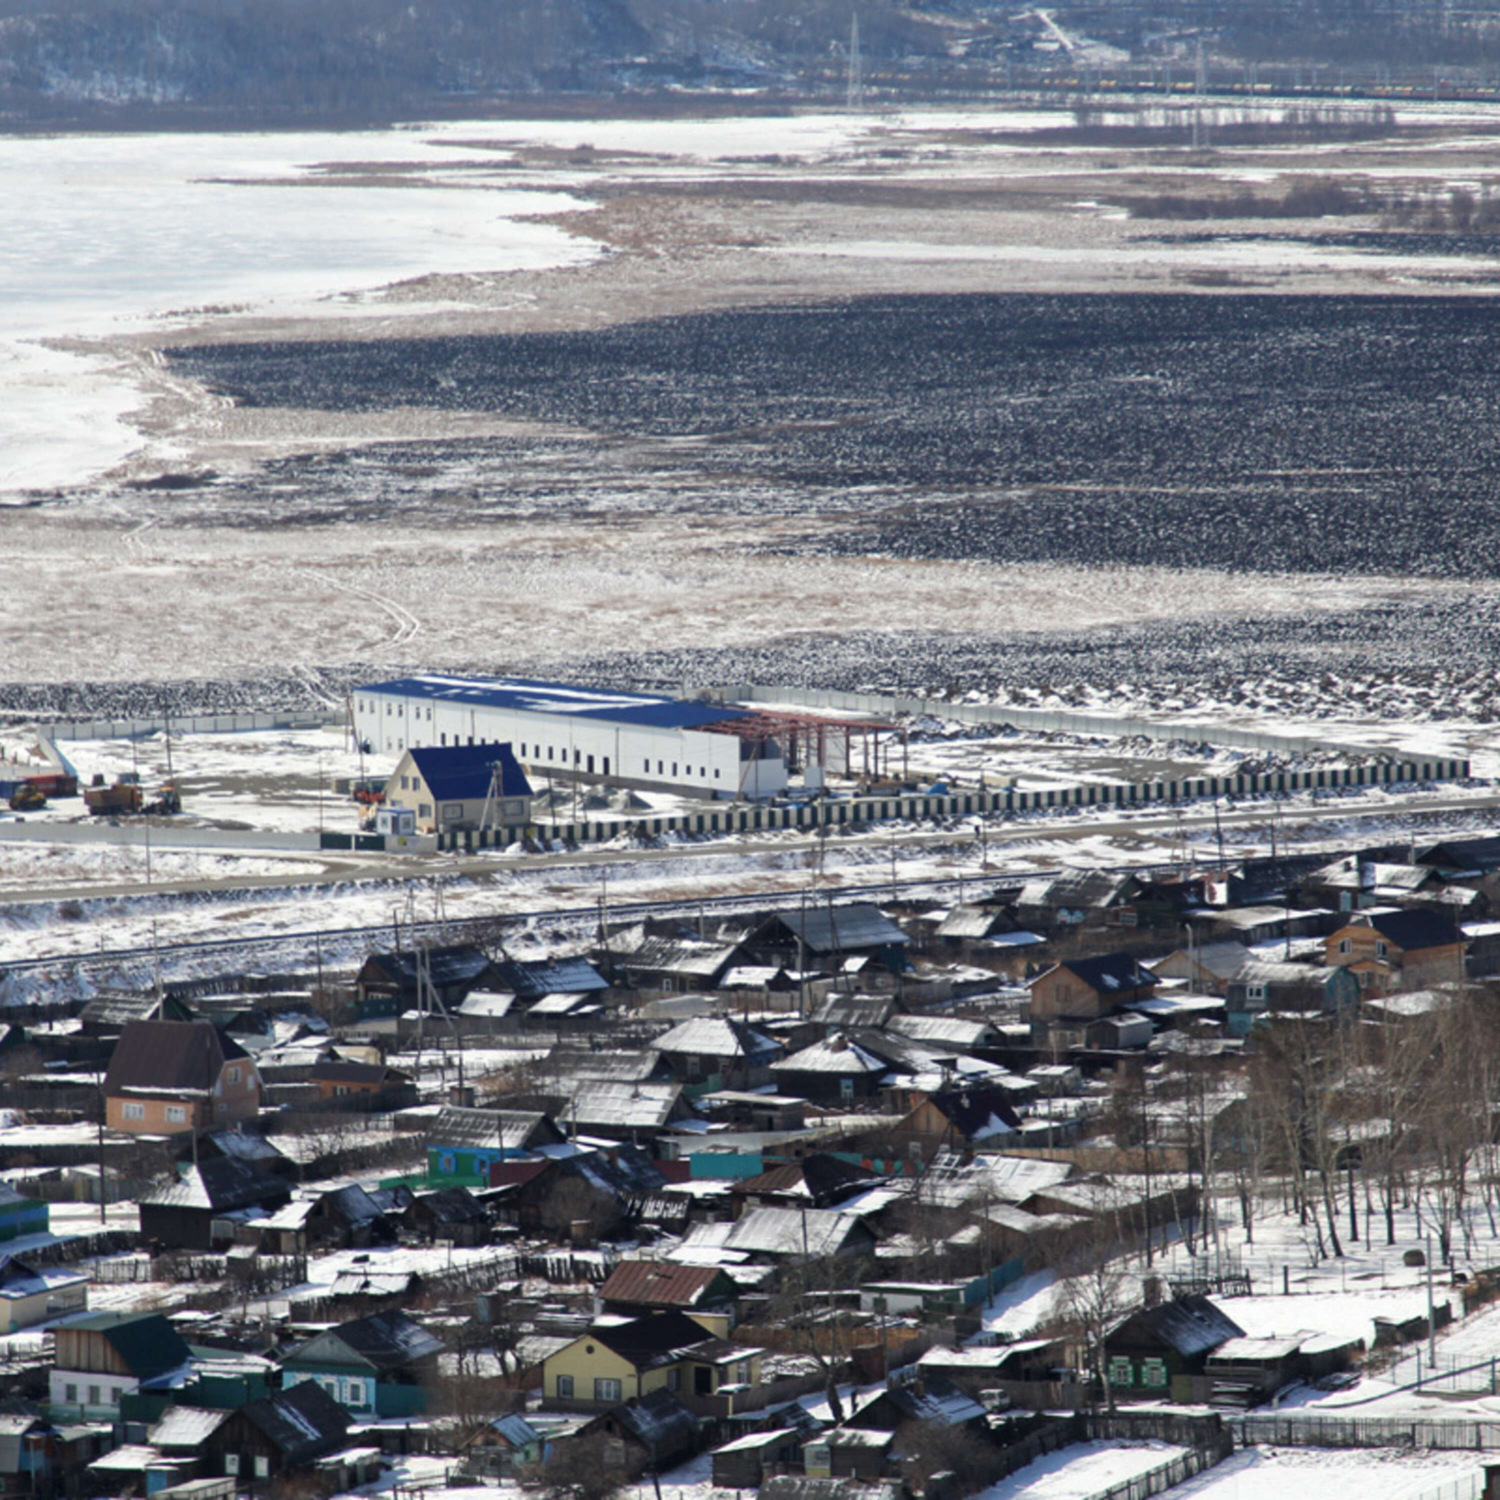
{"points": [[615, 1362]]}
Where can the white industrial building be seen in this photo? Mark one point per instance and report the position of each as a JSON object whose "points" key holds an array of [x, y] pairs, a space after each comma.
{"points": [[573, 733]]}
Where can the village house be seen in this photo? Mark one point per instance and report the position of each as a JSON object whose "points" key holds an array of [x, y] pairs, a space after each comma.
{"points": [[651, 1433], [167, 1077], [452, 787], [615, 1362], [1087, 988], [637, 1287], [718, 1051], [280, 1434], [379, 1366], [372, 1086], [199, 1211], [1398, 950], [103, 1357], [464, 1144], [31, 1295], [1147, 1350], [389, 983]]}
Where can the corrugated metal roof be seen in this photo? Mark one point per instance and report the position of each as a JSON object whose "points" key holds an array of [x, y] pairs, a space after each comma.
{"points": [[657, 1283], [495, 1129], [835, 1056], [526, 695], [843, 929]]}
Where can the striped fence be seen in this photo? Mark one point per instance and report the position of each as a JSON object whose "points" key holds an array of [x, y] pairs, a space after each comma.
{"points": [[727, 819]]}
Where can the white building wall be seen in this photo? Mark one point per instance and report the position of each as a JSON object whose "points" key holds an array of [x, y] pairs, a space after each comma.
{"points": [[680, 760]]}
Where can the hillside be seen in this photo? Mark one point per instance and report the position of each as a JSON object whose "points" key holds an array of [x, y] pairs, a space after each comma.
{"points": [[61, 59]]}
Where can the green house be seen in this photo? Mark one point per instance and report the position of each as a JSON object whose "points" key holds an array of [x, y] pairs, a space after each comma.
{"points": [[463, 1144], [380, 1366]]}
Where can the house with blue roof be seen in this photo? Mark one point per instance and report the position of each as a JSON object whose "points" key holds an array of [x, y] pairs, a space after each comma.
{"points": [[450, 787]]}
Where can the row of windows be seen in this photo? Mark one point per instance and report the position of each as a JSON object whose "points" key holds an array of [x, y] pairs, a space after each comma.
{"points": [[686, 770], [262, 1465], [110, 1395]]}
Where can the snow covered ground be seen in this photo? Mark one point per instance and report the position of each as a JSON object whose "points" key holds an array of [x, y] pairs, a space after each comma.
{"points": [[1334, 1474], [1081, 1471]]}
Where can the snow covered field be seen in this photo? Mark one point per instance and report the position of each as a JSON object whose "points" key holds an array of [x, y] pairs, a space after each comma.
{"points": [[1335, 1474]]}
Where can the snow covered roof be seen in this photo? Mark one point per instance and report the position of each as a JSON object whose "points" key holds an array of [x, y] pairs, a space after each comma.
{"points": [[717, 1036], [186, 1426], [836, 1055], [813, 1233]]}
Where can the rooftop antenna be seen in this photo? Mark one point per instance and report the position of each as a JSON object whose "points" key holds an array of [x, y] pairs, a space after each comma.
{"points": [[854, 83]]}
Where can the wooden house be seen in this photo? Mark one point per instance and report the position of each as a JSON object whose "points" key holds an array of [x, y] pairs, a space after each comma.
{"points": [[197, 1212], [974, 1115], [1149, 1348], [464, 1144], [169, 1077], [719, 1052], [103, 1357], [374, 1086], [636, 1287], [747, 1462], [279, 1435], [451, 1215], [379, 1366], [1398, 950], [1087, 988], [392, 982], [653, 1432]]}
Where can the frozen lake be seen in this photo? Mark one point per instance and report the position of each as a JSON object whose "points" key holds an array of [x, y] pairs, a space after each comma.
{"points": [[114, 234]]}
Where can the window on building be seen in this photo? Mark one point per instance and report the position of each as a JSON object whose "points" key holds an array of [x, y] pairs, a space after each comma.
{"points": [[424, 809], [606, 1390], [94, 1395], [443, 737], [1153, 1372], [134, 1111], [674, 767], [646, 767], [1343, 945], [453, 812], [1381, 950], [70, 1394], [356, 1393], [232, 1463], [234, 1075], [606, 765], [1255, 992], [176, 1114], [674, 1378], [742, 1372], [716, 773], [1121, 1371], [565, 1387], [262, 1466]]}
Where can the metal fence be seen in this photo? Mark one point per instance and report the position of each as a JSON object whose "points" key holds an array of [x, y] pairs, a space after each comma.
{"points": [[722, 818], [1449, 1374], [1466, 1487]]}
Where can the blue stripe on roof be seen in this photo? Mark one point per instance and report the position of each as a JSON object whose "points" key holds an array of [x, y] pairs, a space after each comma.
{"points": [[523, 695]]}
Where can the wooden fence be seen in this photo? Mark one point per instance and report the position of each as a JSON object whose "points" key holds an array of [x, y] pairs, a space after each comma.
{"points": [[1289, 1429], [858, 811]]}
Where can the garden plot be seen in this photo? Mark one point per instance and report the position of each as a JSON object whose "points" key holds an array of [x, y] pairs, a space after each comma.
{"points": [[1082, 1471], [1330, 1474]]}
